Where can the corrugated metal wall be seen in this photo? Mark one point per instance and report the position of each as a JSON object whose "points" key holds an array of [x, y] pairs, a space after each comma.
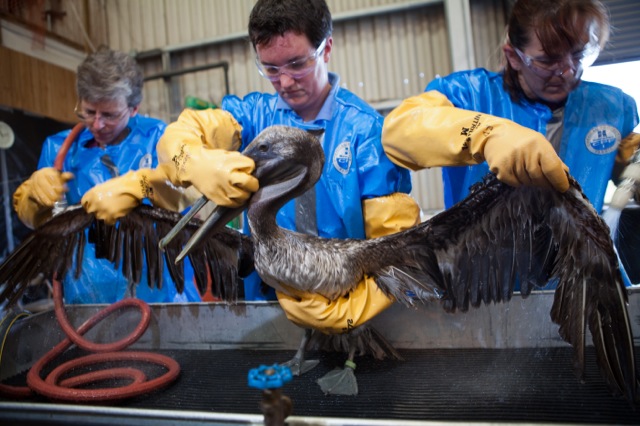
{"points": [[73, 21], [384, 51], [380, 57], [488, 21]]}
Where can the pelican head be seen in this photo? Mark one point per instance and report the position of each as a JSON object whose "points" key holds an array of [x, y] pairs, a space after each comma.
{"points": [[288, 162]]}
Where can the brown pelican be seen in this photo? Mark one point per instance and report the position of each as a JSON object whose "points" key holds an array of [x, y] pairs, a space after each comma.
{"points": [[470, 254], [474, 252]]}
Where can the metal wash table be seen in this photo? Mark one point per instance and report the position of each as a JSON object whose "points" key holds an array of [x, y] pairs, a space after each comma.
{"points": [[500, 363]]}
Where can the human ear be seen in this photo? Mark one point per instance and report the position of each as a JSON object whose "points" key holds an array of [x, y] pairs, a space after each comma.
{"points": [[327, 49], [511, 56]]}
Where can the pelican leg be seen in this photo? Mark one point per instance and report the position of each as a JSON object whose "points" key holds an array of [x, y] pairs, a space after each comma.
{"points": [[298, 365], [341, 381]]}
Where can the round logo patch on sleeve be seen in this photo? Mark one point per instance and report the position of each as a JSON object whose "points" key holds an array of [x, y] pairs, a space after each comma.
{"points": [[603, 139], [145, 161], [342, 158]]}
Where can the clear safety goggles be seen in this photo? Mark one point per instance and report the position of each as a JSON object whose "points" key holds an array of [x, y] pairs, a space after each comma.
{"points": [[108, 118], [547, 67], [294, 69]]}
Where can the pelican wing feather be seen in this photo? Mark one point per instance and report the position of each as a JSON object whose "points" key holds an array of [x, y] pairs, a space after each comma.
{"points": [[501, 236], [131, 243]]}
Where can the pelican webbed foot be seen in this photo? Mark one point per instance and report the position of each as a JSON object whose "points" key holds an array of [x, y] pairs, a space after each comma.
{"points": [[298, 364], [340, 381], [364, 340]]}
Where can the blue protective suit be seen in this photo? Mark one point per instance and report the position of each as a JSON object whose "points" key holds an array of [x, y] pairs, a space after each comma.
{"points": [[596, 118], [356, 166], [99, 281]]}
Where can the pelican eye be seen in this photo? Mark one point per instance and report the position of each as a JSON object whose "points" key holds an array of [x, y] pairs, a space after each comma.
{"points": [[263, 147]]}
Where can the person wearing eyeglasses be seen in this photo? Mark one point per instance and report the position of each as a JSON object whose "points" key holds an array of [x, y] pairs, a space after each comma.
{"points": [[361, 193], [531, 122], [115, 140]]}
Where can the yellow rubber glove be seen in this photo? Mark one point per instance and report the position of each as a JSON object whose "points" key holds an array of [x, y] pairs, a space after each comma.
{"points": [[116, 197], [428, 131], [202, 146], [34, 199], [383, 216], [335, 316], [389, 215], [627, 147]]}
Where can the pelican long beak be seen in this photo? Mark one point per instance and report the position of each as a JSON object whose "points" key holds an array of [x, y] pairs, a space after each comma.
{"points": [[197, 206], [218, 218], [271, 168]]}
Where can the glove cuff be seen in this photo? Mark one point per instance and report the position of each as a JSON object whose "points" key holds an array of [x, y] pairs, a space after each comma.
{"points": [[137, 183], [389, 214], [628, 147]]}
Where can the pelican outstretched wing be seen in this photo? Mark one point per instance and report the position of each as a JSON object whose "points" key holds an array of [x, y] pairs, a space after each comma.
{"points": [[475, 252], [499, 236], [132, 242]]}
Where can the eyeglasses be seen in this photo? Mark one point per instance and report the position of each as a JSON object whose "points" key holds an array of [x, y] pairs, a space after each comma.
{"points": [[547, 68], [107, 118], [294, 69]]}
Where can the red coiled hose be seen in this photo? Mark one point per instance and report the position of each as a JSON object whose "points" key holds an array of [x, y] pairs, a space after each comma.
{"points": [[65, 390]]}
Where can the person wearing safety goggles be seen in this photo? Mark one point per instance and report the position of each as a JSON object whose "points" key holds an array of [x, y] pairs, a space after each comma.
{"points": [[360, 194], [531, 122], [110, 140]]}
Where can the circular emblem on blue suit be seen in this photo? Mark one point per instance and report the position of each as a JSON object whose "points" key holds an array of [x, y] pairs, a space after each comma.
{"points": [[342, 158], [145, 161], [602, 139]]}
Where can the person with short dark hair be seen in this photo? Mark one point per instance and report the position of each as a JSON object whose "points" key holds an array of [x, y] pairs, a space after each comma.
{"points": [[360, 194]]}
